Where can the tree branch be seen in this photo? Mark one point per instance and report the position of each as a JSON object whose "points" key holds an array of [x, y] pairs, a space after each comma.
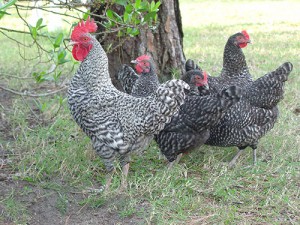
{"points": [[32, 95]]}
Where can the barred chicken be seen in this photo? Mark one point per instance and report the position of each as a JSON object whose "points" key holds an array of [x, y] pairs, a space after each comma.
{"points": [[116, 123], [140, 84], [191, 127], [256, 113]]}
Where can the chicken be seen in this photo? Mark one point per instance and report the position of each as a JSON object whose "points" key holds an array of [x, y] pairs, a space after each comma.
{"points": [[235, 70], [191, 127], [142, 84], [256, 113], [116, 123]]}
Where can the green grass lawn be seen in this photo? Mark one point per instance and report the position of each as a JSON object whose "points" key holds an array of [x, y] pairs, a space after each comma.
{"points": [[54, 154]]}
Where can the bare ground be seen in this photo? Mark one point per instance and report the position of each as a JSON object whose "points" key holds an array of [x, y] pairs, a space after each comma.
{"points": [[41, 206]]}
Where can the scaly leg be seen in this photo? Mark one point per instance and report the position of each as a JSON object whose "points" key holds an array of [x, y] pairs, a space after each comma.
{"points": [[233, 161], [125, 170], [254, 156], [108, 180]]}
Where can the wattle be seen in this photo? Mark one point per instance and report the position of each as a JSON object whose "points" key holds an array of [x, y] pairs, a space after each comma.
{"points": [[138, 69], [243, 45], [79, 53]]}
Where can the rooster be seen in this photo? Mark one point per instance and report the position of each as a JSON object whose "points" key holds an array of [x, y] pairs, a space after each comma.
{"points": [[191, 127], [140, 84], [256, 113], [116, 123]]}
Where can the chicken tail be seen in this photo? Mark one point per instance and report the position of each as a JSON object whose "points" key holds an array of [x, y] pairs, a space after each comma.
{"points": [[191, 65], [171, 96], [127, 78], [268, 90]]}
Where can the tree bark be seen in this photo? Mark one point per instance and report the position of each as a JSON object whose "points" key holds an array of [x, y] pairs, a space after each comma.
{"points": [[164, 44]]}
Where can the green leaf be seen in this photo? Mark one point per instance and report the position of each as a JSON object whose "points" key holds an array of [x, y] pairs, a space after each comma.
{"points": [[149, 16], [33, 32], [3, 12], [135, 32], [8, 4], [86, 15], [56, 75], [137, 4], [121, 2], [132, 31], [61, 57], [5, 6], [110, 14], [118, 18], [152, 5], [157, 6], [39, 23], [41, 27], [58, 40], [129, 8], [39, 76], [126, 17]]}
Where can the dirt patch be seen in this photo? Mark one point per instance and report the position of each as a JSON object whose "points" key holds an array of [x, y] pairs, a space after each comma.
{"points": [[44, 206]]}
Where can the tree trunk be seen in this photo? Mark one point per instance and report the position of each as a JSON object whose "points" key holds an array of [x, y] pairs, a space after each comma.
{"points": [[164, 44]]}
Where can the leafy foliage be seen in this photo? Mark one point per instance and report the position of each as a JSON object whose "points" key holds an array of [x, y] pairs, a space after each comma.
{"points": [[3, 7], [136, 15]]}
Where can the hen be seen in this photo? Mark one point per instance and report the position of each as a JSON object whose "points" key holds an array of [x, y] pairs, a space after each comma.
{"points": [[116, 122], [256, 113], [191, 127], [142, 84]]}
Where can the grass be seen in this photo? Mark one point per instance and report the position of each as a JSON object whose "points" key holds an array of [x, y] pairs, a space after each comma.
{"points": [[56, 155]]}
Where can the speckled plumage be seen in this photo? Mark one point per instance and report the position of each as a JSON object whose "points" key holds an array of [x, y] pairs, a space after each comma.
{"points": [[256, 113], [141, 85], [127, 78], [250, 119], [191, 127], [115, 121]]}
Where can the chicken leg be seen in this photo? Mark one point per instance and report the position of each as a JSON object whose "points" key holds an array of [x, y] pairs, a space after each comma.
{"points": [[125, 170]]}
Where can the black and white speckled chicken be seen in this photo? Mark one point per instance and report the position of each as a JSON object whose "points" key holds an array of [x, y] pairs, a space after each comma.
{"points": [[116, 122], [142, 83], [235, 70], [191, 127], [256, 113]]}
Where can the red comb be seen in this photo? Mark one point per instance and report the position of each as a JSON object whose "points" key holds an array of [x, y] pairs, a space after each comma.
{"points": [[204, 76], [88, 26], [244, 32], [143, 57]]}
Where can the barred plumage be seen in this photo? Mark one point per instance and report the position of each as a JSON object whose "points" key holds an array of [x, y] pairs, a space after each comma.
{"points": [[142, 85], [190, 128], [256, 113], [115, 121]]}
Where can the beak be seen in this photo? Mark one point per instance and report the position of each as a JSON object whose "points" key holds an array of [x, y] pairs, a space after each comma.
{"points": [[206, 86], [134, 61], [249, 41], [71, 43]]}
